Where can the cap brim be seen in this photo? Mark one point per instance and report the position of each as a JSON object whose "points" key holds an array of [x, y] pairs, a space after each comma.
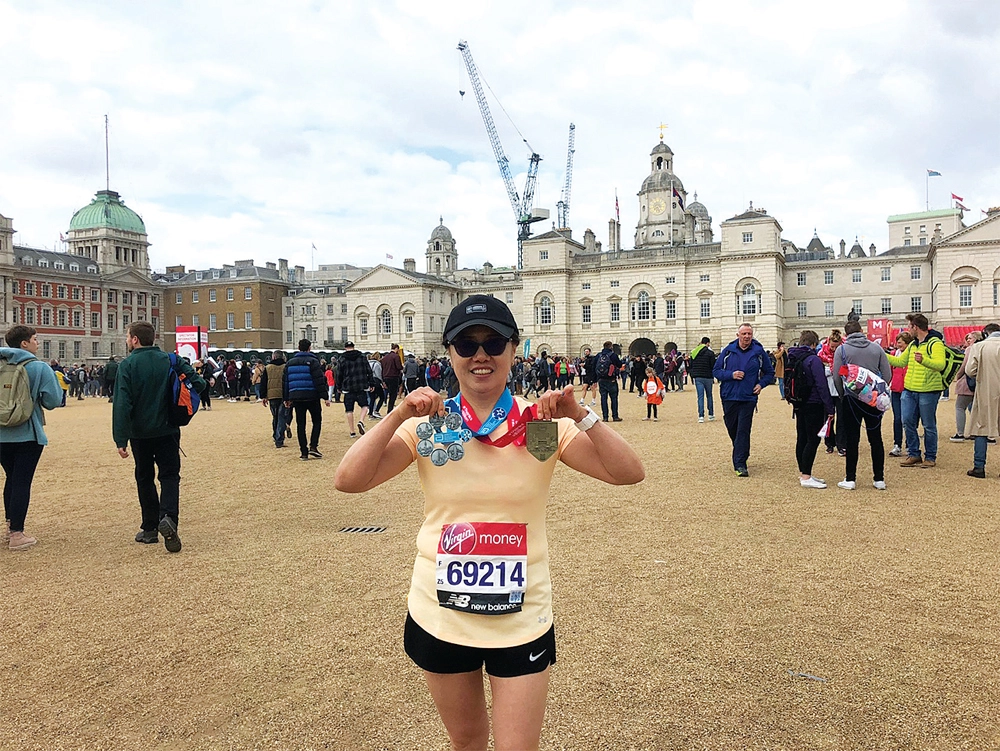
{"points": [[500, 328]]}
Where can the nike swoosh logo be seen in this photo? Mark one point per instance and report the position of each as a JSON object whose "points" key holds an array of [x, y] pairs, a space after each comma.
{"points": [[533, 657]]}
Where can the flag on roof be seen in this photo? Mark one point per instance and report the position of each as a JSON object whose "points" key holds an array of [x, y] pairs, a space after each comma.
{"points": [[680, 201], [618, 216], [956, 198], [958, 205], [933, 173], [388, 256], [314, 246]]}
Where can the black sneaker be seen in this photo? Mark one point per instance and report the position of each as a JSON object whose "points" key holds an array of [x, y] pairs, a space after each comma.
{"points": [[742, 472], [315, 454], [304, 457], [616, 419], [148, 536], [168, 528], [280, 445], [957, 438], [361, 428], [974, 472], [288, 432]]}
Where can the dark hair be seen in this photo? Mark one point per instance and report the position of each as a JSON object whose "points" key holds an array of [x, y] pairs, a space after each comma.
{"points": [[906, 336], [143, 331], [705, 340], [990, 328], [304, 345], [919, 320], [852, 327], [836, 336], [16, 335], [808, 338], [607, 344], [781, 344]]}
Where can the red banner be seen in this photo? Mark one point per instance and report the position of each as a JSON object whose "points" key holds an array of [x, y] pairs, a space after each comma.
{"points": [[879, 330]]}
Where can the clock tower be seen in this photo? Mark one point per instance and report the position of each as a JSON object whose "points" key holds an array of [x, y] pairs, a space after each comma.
{"points": [[442, 257], [662, 199]]}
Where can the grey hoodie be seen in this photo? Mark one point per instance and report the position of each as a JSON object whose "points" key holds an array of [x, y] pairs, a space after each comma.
{"points": [[858, 350]]}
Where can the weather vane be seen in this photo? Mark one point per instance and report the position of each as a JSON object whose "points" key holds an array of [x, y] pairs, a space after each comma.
{"points": [[663, 127]]}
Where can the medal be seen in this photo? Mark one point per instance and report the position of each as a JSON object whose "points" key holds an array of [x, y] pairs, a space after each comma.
{"points": [[439, 457], [542, 439], [453, 421], [449, 441], [424, 431], [436, 421], [455, 451], [425, 447]]}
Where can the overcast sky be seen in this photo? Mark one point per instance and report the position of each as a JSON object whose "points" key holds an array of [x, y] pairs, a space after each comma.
{"points": [[255, 130]]}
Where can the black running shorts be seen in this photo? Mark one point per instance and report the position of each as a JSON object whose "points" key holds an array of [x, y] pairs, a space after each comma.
{"points": [[436, 656]]}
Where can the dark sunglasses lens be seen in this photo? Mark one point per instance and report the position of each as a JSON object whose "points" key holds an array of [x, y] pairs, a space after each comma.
{"points": [[493, 346]]}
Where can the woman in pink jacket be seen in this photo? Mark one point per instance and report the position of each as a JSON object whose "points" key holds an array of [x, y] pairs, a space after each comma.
{"points": [[896, 387]]}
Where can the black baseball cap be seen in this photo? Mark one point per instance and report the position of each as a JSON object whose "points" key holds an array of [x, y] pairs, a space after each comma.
{"points": [[480, 310]]}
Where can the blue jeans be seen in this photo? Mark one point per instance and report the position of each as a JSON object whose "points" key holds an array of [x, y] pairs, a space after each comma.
{"points": [[704, 387], [738, 417], [979, 452], [608, 388], [279, 420], [921, 407], [781, 387]]}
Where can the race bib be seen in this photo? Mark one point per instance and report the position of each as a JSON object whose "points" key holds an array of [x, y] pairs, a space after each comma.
{"points": [[482, 567]]}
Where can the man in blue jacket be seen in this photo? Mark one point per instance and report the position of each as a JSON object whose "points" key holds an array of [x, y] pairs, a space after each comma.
{"points": [[303, 386], [742, 369]]}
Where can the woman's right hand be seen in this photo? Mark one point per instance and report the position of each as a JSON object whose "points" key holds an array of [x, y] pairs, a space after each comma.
{"points": [[421, 403]]}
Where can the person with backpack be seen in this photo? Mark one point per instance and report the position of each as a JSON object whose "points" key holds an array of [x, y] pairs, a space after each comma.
{"points": [[702, 363], [924, 360], [812, 405], [743, 370], [858, 350], [356, 381], [141, 418], [271, 388], [27, 385], [607, 366]]}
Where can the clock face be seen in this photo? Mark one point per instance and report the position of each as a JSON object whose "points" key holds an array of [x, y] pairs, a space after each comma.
{"points": [[657, 206]]}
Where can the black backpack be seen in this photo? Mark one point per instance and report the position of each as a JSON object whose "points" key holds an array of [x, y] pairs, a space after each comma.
{"points": [[798, 384], [604, 364]]}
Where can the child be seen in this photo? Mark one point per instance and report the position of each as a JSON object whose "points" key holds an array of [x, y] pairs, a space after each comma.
{"points": [[652, 387]]}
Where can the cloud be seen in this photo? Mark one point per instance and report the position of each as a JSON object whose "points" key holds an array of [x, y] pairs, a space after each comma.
{"points": [[238, 131]]}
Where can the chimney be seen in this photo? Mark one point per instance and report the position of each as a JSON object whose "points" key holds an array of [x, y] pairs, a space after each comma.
{"points": [[842, 246], [871, 250], [248, 264], [588, 241], [300, 275], [410, 265], [270, 265], [612, 234], [487, 268], [175, 269], [598, 247], [283, 269]]}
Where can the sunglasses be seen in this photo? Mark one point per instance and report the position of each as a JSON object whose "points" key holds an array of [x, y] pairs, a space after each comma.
{"points": [[493, 346]]}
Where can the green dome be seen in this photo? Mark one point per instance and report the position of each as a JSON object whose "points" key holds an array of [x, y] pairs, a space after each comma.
{"points": [[107, 210]]}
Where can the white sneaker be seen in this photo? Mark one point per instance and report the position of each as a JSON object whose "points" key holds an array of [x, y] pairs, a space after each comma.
{"points": [[812, 482], [896, 451], [847, 484], [701, 419], [593, 402], [711, 418], [879, 485], [581, 402]]}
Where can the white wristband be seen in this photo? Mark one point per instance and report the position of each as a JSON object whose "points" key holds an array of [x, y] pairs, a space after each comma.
{"points": [[589, 421]]}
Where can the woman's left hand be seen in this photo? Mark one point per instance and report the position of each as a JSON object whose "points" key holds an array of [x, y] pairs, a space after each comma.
{"points": [[560, 403]]}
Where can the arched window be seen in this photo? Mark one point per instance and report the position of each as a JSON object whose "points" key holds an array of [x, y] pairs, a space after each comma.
{"points": [[437, 265], [750, 300], [543, 312], [386, 322], [437, 245], [641, 308]]}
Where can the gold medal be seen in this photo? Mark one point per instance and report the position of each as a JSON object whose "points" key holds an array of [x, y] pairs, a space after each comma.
{"points": [[542, 439]]}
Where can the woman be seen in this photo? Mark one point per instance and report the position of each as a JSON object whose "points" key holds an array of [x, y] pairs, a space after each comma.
{"points": [[963, 394], [492, 500], [833, 440], [896, 391], [378, 393]]}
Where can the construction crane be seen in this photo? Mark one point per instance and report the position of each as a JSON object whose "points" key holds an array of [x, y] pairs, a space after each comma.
{"points": [[523, 213], [562, 206]]}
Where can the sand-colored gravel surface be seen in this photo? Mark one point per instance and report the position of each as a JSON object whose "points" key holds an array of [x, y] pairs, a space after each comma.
{"points": [[696, 610]]}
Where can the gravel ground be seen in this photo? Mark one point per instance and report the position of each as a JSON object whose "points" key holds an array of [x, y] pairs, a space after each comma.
{"points": [[696, 610]]}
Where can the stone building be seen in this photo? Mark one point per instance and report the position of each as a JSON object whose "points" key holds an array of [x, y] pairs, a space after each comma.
{"points": [[82, 299]]}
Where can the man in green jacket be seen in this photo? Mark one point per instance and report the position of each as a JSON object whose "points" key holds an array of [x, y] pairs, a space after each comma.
{"points": [[140, 417], [924, 361]]}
